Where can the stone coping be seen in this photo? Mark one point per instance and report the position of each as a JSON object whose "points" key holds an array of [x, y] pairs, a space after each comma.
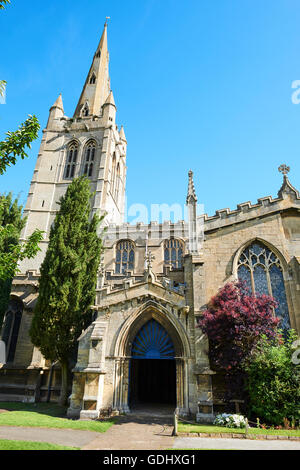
{"points": [[232, 435]]}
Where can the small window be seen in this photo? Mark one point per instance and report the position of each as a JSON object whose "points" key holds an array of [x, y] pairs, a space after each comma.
{"points": [[89, 158], [98, 54], [124, 257], [173, 253], [71, 160]]}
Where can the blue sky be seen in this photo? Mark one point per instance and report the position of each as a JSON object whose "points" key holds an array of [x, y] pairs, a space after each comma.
{"points": [[201, 84]]}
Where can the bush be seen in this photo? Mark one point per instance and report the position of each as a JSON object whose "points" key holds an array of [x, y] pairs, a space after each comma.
{"points": [[230, 421], [273, 382]]}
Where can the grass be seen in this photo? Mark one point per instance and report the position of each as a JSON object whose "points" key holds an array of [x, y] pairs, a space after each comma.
{"points": [[46, 415], [199, 428], [28, 445]]}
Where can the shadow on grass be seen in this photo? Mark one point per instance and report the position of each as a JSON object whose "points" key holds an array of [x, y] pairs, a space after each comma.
{"points": [[49, 409]]}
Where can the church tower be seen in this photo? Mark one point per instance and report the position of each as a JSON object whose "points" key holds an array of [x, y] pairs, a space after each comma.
{"points": [[90, 144]]}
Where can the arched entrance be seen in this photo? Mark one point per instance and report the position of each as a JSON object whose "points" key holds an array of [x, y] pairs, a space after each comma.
{"points": [[127, 369], [152, 370]]}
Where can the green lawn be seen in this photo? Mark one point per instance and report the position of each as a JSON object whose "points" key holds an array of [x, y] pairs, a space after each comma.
{"points": [[46, 415], [27, 445], [191, 428]]}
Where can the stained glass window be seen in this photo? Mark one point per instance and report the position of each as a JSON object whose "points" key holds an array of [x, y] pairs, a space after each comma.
{"points": [[173, 253], [152, 342], [261, 269], [124, 257], [71, 160], [89, 158]]}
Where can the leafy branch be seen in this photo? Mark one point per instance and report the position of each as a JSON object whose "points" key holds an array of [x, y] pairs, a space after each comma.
{"points": [[3, 3], [15, 253], [15, 143]]}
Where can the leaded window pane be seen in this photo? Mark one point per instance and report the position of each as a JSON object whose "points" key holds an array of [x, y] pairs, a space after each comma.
{"points": [[245, 275], [278, 291], [260, 280]]}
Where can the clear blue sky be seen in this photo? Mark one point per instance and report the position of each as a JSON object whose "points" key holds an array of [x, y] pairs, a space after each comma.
{"points": [[199, 84]]}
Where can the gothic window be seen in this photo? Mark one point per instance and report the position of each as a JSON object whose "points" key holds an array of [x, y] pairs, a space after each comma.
{"points": [[98, 54], [71, 160], [93, 79], [173, 252], [124, 257], [10, 329], [261, 269], [89, 158]]}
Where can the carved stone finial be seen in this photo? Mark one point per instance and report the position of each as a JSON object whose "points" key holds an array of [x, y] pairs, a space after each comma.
{"points": [[149, 258], [284, 169]]}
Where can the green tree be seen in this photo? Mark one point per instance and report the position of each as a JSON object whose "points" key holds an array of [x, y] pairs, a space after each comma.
{"points": [[11, 249], [67, 284], [273, 381], [10, 214]]}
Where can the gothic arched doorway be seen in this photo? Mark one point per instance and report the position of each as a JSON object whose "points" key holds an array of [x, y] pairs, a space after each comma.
{"points": [[152, 370]]}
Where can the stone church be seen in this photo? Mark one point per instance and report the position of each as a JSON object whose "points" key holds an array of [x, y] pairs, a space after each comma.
{"points": [[143, 346]]}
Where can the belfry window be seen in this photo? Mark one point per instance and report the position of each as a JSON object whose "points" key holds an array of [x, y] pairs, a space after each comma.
{"points": [[89, 158], [124, 257], [173, 253], [261, 270], [71, 160], [10, 329]]}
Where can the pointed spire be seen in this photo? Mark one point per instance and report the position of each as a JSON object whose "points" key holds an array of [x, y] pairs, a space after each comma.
{"points": [[110, 99], [58, 103], [191, 195], [122, 134], [97, 85]]}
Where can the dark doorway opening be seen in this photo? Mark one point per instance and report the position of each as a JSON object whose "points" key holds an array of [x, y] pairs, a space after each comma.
{"points": [[152, 381]]}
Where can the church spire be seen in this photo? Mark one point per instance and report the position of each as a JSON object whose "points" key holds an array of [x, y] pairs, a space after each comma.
{"points": [[97, 85]]}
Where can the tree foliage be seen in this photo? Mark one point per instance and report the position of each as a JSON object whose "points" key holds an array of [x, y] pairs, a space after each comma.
{"points": [[16, 142], [234, 322], [11, 250], [3, 3], [68, 278], [273, 381]]}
